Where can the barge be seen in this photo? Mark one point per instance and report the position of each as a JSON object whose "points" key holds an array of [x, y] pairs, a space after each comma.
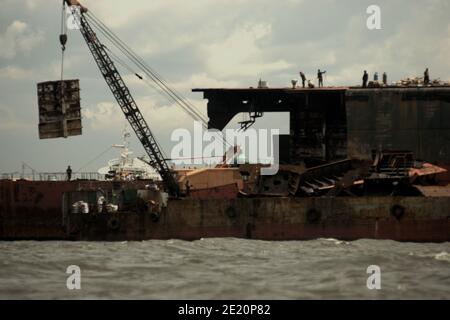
{"points": [[333, 132]]}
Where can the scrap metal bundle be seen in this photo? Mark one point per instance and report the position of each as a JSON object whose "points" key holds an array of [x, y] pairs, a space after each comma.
{"points": [[59, 109], [390, 173], [418, 81]]}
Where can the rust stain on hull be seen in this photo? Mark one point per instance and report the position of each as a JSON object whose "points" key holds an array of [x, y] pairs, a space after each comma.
{"points": [[33, 211]]}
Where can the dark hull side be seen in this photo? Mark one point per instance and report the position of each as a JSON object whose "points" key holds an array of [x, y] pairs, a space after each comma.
{"points": [[33, 211], [331, 124]]}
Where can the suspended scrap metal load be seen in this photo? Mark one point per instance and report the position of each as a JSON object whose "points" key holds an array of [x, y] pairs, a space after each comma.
{"points": [[391, 173], [59, 109], [59, 101]]}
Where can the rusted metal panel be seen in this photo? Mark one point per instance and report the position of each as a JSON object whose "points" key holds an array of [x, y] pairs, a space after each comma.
{"points": [[434, 191], [204, 179], [223, 192], [32, 210], [336, 123], [317, 118], [59, 109], [283, 219], [426, 169], [415, 119]]}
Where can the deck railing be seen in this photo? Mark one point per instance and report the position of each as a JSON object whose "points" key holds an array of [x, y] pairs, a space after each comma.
{"points": [[51, 176]]}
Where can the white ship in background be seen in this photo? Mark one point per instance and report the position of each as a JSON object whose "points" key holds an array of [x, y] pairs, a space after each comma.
{"points": [[126, 167]]}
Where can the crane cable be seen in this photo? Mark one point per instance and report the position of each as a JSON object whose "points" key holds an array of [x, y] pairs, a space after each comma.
{"points": [[173, 95], [152, 74], [78, 22], [162, 90], [126, 66], [132, 55], [84, 166], [63, 38], [146, 81], [63, 42]]}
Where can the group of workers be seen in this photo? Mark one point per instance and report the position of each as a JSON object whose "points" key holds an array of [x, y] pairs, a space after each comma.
{"points": [[365, 79], [319, 78]]}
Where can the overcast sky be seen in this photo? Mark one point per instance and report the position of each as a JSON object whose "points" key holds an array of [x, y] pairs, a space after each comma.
{"points": [[200, 43]]}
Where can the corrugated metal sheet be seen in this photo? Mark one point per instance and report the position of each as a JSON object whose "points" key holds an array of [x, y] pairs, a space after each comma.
{"points": [[59, 109]]}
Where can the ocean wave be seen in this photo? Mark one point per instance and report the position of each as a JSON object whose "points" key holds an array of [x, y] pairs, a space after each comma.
{"points": [[443, 256]]}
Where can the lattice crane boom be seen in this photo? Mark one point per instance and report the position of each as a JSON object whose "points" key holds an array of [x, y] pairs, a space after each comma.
{"points": [[127, 103]]}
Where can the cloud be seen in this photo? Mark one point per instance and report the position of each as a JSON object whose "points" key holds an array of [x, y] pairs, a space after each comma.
{"points": [[103, 115], [28, 4], [165, 11], [155, 98], [204, 43], [445, 49], [10, 122], [204, 80], [242, 53], [15, 73], [18, 38], [107, 116], [33, 4]]}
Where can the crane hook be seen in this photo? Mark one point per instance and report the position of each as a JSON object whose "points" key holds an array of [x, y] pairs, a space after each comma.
{"points": [[63, 41]]}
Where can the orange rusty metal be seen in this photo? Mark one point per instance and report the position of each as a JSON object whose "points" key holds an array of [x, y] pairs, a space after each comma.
{"points": [[223, 192], [426, 170]]}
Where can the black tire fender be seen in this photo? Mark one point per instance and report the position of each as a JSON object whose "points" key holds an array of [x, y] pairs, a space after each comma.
{"points": [[313, 216], [155, 217], [398, 211], [113, 223], [231, 213]]}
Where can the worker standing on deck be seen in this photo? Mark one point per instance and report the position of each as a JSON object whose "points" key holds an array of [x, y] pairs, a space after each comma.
{"points": [[188, 188], [365, 79], [69, 173], [320, 77], [426, 77], [385, 79], [302, 75]]}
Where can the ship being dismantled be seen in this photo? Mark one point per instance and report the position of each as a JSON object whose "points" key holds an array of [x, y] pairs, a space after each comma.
{"points": [[334, 180], [357, 163]]}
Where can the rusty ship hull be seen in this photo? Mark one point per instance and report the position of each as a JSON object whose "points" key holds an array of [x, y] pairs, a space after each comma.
{"points": [[326, 125], [34, 211]]}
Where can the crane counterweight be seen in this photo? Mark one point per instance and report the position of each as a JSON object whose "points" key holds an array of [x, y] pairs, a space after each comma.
{"points": [[70, 3]]}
